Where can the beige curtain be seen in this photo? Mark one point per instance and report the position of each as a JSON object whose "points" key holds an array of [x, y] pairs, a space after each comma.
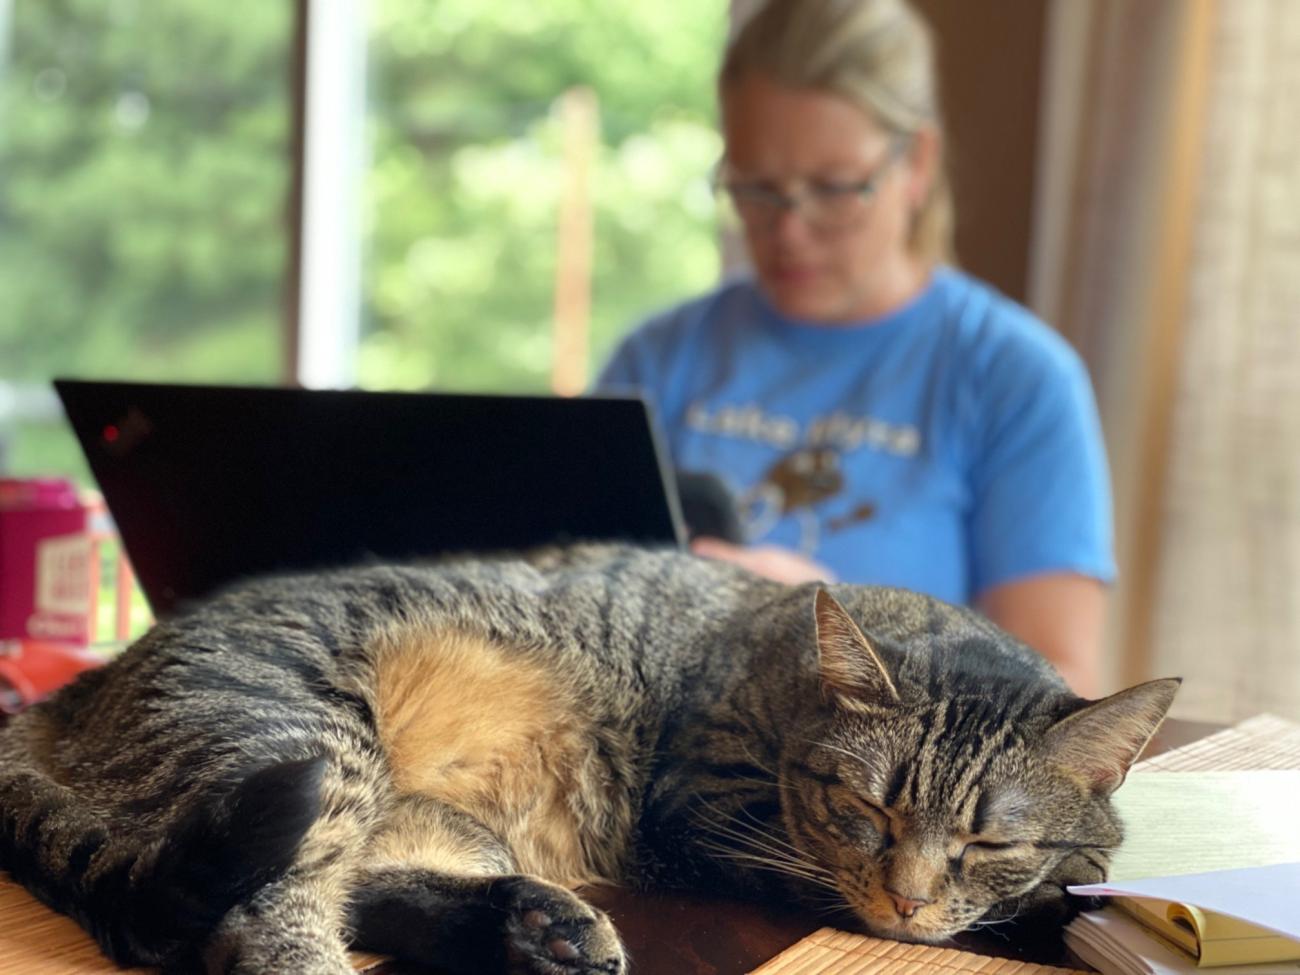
{"points": [[1167, 248]]}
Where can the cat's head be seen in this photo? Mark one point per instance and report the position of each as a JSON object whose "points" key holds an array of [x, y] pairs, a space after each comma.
{"points": [[933, 815]]}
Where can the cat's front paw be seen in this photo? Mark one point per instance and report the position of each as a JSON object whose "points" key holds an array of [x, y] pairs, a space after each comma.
{"points": [[550, 931]]}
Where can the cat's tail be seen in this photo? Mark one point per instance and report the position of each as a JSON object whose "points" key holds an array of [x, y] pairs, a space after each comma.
{"points": [[154, 904]]}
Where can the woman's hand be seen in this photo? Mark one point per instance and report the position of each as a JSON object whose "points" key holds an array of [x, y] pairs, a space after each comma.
{"points": [[769, 561]]}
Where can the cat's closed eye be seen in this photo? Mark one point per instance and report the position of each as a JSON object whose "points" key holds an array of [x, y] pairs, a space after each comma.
{"points": [[879, 817], [980, 850]]}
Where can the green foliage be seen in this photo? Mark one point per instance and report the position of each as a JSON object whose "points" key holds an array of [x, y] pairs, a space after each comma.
{"points": [[464, 191], [143, 170], [144, 175]]}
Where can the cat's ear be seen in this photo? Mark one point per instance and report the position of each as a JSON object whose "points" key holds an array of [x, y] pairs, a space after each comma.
{"points": [[1099, 742], [852, 672]]}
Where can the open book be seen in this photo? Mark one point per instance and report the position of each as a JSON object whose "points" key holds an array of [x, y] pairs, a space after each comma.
{"points": [[1210, 864], [1212, 939], [1202, 914], [1112, 942]]}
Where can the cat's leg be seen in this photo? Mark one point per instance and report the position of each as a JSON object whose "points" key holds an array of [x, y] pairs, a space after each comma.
{"points": [[443, 890], [288, 926], [296, 923], [478, 925]]}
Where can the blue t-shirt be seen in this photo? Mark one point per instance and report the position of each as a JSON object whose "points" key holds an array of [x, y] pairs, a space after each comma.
{"points": [[948, 447]]}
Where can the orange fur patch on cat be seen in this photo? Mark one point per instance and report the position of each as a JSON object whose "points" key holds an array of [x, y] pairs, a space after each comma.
{"points": [[480, 727]]}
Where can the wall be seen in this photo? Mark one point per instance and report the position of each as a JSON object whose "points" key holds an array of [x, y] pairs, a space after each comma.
{"points": [[990, 59]]}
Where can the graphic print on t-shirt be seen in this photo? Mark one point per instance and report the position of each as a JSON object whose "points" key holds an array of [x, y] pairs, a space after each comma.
{"points": [[809, 471], [793, 485]]}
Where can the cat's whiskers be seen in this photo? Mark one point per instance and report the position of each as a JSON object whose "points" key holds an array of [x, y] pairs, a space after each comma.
{"points": [[769, 851], [759, 842], [782, 867], [995, 924], [756, 841], [775, 780], [830, 910], [758, 827], [766, 783], [828, 903], [774, 865], [756, 836], [757, 764], [988, 927], [777, 865]]}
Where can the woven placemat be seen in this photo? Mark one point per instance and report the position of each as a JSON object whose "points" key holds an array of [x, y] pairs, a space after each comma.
{"points": [[36, 941], [831, 952], [1259, 743]]}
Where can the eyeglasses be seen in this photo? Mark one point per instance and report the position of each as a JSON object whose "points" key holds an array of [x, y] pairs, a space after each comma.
{"points": [[826, 205]]}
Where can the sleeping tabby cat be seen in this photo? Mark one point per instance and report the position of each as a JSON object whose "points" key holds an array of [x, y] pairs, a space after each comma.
{"points": [[425, 759]]}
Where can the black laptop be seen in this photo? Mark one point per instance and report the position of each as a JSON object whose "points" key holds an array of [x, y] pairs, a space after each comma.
{"points": [[209, 484]]}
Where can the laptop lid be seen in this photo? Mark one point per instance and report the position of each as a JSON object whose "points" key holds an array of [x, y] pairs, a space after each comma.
{"points": [[209, 484]]}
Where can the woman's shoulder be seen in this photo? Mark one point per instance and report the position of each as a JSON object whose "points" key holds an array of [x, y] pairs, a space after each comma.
{"points": [[994, 332]]}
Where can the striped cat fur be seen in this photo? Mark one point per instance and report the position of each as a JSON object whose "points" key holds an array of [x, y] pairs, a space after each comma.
{"points": [[427, 760]]}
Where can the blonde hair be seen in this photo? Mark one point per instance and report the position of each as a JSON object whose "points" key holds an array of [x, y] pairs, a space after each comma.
{"points": [[877, 54]]}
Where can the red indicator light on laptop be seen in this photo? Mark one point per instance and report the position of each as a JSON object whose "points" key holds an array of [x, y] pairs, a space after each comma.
{"points": [[111, 433]]}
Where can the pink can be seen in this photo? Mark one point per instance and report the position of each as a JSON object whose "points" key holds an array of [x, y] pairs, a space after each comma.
{"points": [[45, 570]]}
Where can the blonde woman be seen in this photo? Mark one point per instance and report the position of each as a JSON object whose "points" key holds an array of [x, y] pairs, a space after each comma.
{"points": [[881, 416]]}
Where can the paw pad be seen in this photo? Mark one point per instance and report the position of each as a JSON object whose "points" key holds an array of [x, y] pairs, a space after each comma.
{"points": [[550, 931]]}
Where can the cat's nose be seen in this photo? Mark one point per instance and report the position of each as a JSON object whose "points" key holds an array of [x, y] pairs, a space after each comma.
{"points": [[906, 906]]}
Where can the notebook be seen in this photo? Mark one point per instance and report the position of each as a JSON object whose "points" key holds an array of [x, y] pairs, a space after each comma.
{"points": [[208, 484]]}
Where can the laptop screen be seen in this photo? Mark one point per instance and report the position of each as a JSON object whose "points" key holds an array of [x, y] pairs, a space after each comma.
{"points": [[209, 484]]}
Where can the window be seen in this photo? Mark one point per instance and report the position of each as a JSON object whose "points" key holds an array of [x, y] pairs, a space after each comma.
{"points": [[144, 166], [516, 164]]}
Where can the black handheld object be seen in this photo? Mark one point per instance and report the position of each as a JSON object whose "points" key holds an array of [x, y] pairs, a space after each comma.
{"points": [[708, 507]]}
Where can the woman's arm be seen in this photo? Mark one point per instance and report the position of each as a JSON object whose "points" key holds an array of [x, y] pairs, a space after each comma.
{"points": [[1059, 614]]}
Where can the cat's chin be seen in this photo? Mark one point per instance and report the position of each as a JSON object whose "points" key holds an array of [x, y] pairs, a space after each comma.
{"points": [[902, 929], [911, 933]]}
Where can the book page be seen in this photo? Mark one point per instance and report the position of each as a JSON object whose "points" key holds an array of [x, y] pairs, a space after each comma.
{"points": [[1268, 897], [1194, 822], [1224, 940], [1115, 943], [1213, 939], [1155, 915]]}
